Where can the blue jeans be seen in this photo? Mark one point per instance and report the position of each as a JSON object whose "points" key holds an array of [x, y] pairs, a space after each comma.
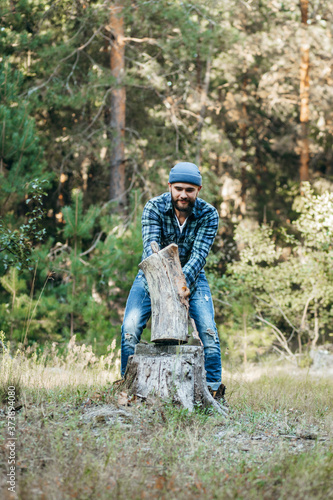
{"points": [[137, 313]]}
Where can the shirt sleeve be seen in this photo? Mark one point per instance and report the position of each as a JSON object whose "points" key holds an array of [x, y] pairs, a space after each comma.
{"points": [[202, 244], [151, 228]]}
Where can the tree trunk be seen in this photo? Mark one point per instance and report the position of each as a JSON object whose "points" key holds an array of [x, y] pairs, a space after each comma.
{"points": [[203, 101], [243, 129], [165, 280], [118, 105], [173, 373], [304, 95], [316, 326]]}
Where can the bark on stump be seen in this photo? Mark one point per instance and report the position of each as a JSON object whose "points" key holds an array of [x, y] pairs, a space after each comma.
{"points": [[174, 373], [171, 372]]}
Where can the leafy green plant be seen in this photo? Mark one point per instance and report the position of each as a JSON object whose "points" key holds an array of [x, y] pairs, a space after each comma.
{"points": [[291, 292], [17, 244], [22, 181]]}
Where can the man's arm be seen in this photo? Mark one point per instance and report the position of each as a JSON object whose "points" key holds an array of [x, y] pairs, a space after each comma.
{"points": [[151, 228], [201, 246]]}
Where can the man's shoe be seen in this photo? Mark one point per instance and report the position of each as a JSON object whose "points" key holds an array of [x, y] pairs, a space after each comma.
{"points": [[219, 395]]}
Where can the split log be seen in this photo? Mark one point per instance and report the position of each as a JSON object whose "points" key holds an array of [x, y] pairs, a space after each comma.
{"points": [[166, 280], [173, 373]]}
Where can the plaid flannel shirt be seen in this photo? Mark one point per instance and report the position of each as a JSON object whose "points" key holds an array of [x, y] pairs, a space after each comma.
{"points": [[159, 224]]}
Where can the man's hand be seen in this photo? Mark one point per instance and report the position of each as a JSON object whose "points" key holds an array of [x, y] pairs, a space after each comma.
{"points": [[154, 246], [184, 292]]}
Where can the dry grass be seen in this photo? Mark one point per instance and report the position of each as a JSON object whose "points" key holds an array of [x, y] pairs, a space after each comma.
{"points": [[74, 441], [76, 366]]}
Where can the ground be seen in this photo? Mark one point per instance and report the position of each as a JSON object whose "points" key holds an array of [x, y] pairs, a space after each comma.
{"points": [[77, 437]]}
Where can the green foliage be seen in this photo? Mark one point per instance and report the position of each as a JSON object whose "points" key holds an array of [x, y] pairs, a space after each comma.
{"points": [[291, 287], [315, 222], [78, 225], [21, 160], [80, 285], [55, 102], [17, 244], [21, 153], [27, 314]]}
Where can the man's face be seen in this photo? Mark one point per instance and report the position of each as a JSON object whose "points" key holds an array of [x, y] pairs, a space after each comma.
{"points": [[183, 196]]}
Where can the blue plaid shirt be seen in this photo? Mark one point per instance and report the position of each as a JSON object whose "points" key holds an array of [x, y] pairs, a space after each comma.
{"points": [[159, 224]]}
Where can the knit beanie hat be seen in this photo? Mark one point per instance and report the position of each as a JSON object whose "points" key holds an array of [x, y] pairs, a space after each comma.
{"points": [[185, 172]]}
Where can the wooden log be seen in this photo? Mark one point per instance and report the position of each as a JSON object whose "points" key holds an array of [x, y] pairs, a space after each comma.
{"points": [[166, 281], [173, 373]]}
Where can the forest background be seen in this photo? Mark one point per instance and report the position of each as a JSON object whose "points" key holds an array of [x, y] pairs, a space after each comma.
{"points": [[100, 99]]}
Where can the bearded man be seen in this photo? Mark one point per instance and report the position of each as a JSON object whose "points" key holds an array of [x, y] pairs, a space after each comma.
{"points": [[180, 217]]}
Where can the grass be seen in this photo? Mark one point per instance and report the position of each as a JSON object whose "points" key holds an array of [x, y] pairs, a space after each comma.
{"points": [[75, 441]]}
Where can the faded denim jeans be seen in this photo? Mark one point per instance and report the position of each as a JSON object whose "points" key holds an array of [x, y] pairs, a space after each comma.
{"points": [[138, 311]]}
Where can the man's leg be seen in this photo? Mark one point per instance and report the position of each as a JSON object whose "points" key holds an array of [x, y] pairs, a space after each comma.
{"points": [[202, 311], [137, 313]]}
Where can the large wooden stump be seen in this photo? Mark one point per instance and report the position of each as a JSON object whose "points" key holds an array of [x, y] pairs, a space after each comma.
{"points": [[173, 373]]}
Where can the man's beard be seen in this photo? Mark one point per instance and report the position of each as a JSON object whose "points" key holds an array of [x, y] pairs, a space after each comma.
{"points": [[186, 210]]}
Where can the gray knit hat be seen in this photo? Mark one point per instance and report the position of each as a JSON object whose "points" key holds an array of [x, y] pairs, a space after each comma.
{"points": [[185, 172]]}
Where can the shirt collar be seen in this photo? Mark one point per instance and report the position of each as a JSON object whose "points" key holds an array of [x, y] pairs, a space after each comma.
{"points": [[169, 207]]}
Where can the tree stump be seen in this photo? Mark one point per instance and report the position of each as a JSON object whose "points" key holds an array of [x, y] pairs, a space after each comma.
{"points": [[173, 373], [169, 371]]}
